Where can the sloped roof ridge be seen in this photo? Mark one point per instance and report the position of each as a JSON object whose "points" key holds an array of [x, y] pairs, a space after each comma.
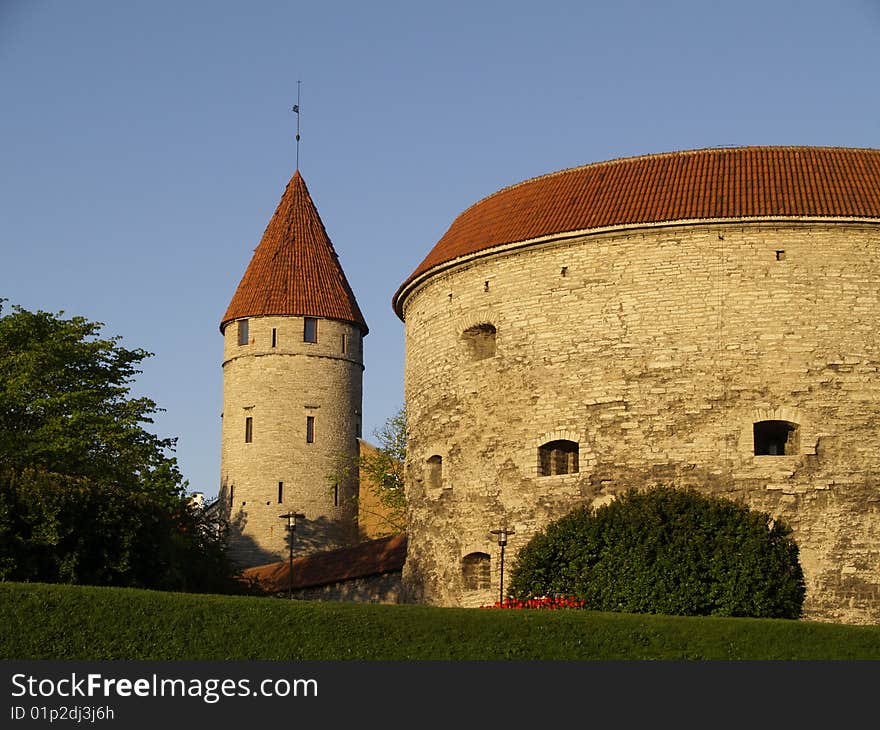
{"points": [[373, 557], [663, 155]]}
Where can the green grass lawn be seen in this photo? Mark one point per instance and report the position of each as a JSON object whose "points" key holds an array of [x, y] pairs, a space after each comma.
{"points": [[74, 622]]}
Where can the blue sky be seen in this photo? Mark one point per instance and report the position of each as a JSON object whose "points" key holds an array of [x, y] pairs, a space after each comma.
{"points": [[145, 145]]}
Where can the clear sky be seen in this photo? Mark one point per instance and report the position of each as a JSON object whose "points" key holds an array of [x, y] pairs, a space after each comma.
{"points": [[145, 145]]}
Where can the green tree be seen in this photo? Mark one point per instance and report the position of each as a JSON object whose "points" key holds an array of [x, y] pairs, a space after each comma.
{"points": [[667, 551], [381, 475], [87, 494], [383, 469]]}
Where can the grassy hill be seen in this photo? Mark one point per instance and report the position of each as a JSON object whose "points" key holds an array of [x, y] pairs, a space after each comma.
{"points": [[75, 622]]}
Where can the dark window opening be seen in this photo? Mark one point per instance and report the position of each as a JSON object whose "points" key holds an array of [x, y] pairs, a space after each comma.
{"points": [[310, 329], [280, 492], [435, 471], [274, 336], [231, 495], [775, 438], [476, 572], [344, 342], [248, 430], [310, 429], [243, 332], [558, 457], [480, 341], [335, 495], [780, 255]]}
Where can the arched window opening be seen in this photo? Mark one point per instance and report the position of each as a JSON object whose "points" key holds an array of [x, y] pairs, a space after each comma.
{"points": [[435, 471], [475, 572], [480, 341], [558, 457], [776, 438]]}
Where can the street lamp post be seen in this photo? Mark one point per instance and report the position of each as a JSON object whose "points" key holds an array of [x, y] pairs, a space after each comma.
{"points": [[291, 518], [502, 541]]}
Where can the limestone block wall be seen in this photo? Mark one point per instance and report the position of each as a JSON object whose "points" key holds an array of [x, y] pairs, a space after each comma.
{"points": [[280, 381], [383, 588], [655, 350]]}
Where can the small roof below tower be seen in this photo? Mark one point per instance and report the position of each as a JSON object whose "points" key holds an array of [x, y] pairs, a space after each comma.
{"points": [[295, 269]]}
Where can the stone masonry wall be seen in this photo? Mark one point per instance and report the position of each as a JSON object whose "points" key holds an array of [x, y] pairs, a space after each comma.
{"points": [[279, 387], [383, 588], [656, 350]]}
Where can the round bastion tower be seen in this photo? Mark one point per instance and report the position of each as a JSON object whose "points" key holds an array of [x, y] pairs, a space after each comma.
{"points": [[292, 391], [702, 318]]}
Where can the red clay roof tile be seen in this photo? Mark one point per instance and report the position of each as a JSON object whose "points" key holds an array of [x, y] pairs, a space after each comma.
{"points": [[733, 183], [375, 557], [295, 270]]}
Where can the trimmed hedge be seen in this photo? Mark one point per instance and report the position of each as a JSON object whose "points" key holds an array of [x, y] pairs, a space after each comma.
{"points": [[667, 551]]}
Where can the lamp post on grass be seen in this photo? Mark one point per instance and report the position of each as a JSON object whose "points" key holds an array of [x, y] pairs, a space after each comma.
{"points": [[502, 534], [291, 518]]}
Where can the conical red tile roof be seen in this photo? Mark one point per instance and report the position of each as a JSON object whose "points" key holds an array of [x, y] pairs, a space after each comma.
{"points": [[731, 183], [295, 270]]}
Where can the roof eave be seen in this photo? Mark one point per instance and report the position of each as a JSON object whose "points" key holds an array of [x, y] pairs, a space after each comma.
{"points": [[415, 280]]}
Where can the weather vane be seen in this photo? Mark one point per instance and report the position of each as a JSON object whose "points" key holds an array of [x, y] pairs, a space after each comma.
{"points": [[296, 110]]}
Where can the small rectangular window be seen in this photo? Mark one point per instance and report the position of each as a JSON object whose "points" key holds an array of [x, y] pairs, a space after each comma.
{"points": [[344, 342], [310, 429], [335, 495], [775, 438], [243, 332], [274, 336], [310, 329], [231, 494], [280, 492], [248, 430]]}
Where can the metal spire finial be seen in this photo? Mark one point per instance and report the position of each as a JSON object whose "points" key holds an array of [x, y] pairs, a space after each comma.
{"points": [[296, 110]]}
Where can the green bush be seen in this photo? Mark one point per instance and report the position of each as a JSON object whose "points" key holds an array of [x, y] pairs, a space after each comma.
{"points": [[666, 551]]}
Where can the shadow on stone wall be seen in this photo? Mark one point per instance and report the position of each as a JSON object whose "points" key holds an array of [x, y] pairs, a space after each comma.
{"points": [[309, 536]]}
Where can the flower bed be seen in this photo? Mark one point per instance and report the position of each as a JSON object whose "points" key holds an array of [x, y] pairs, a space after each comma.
{"points": [[548, 602]]}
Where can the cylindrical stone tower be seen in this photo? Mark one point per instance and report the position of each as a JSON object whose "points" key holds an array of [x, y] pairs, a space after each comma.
{"points": [[292, 384], [703, 319]]}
